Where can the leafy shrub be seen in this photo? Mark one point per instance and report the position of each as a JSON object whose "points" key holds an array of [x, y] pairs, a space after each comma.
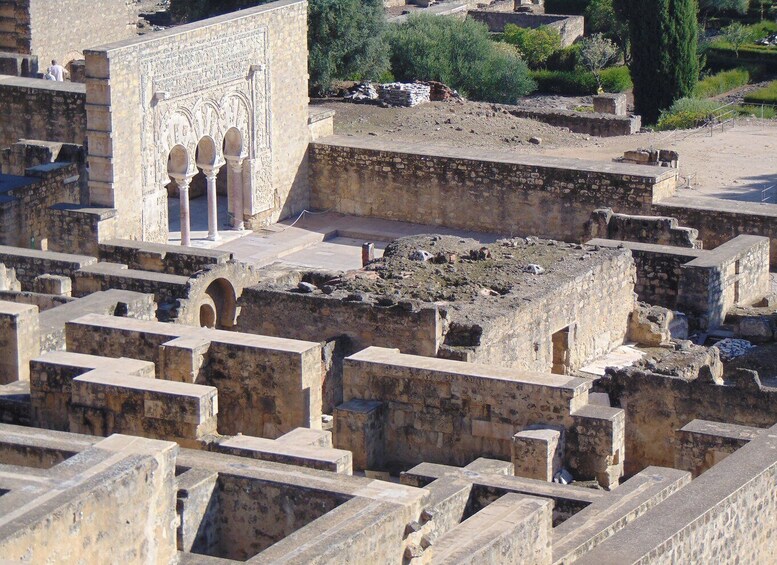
{"points": [[460, 54], [616, 79], [535, 45], [765, 95], [567, 83], [581, 83], [687, 113], [566, 59], [721, 82]]}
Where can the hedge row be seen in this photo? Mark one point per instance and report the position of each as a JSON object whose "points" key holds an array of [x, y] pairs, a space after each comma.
{"points": [[581, 83], [724, 56]]}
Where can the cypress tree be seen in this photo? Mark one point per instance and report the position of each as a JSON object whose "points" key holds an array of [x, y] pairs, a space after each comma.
{"points": [[664, 64]]}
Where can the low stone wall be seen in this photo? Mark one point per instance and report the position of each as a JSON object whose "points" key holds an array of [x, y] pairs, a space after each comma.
{"points": [[658, 405], [726, 515], [703, 444], [278, 312], [599, 125], [720, 220], [31, 263], [161, 258], [570, 28], [25, 217], [659, 230], [453, 412], [267, 386], [468, 189], [79, 229], [41, 109]]}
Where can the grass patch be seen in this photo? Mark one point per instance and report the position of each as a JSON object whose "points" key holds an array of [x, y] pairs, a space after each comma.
{"points": [[765, 95], [721, 82], [687, 113], [581, 83]]}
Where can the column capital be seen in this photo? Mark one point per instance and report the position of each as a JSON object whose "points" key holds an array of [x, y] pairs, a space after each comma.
{"points": [[235, 163], [182, 181]]}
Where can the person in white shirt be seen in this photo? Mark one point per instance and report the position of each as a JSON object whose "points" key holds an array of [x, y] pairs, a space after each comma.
{"points": [[57, 71]]}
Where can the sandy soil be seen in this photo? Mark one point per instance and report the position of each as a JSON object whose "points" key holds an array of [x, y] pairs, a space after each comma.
{"points": [[737, 162]]}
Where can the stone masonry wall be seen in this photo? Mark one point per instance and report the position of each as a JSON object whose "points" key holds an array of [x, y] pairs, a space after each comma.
{"points": [[318, 318], [451, 412], [246, 70], [595, 307], [478, 191], [26, 215], [735, 273], [61, 31], [41, 109], [30, 263], [569, 27], [596, 124]]}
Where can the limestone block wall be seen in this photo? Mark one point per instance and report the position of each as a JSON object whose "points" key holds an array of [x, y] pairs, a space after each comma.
{"points": [[19, 340], [161, 258], [569, 27], [272, 311], [659, 230], [596, 124], [80, 228], [246, 70], [31, 263], [735, 273], [719, 221], [267, 386], [59, 29], [25, 214], [483, 191], [41, 109], [727, 514], [595, 307], [452, 412], [658, 405], [72, 511], [703, 444]]}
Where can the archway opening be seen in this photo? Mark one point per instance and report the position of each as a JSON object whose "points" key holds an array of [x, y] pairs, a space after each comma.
{"points": [[224, 298], [207, 316]]}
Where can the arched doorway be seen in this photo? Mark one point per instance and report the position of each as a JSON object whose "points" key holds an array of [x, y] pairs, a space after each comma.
{"points": [[221, 294]]}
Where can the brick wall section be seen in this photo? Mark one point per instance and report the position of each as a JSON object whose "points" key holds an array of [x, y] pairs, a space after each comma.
{"points": [[75, 228], [41, 109], [735, 273], [484, 191], [658, 405], [25, 214], [453, 413]]}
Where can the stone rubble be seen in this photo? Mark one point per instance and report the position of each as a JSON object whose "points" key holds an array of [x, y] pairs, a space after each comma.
{"points": [[731, 348], [403, 94]]}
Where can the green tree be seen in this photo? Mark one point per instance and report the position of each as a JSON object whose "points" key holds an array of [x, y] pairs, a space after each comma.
{"points": [[346, 40], [535, 45], [737, 35], [596, 52], [460, 54], [600, 17], [664, 64]]}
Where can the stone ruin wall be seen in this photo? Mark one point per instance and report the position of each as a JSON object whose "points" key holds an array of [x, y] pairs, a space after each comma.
{"points": [[493, 193], [25, 218], [59, 29], [191, 84], [595, 306], [41, 109], [569, 27]]}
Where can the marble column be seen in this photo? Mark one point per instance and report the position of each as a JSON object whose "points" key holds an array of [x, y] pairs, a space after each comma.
{"points": [[183, 196], [236, 193], [213, 202]]}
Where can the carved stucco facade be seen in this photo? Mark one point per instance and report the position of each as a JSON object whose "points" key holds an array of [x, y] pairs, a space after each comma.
{"points": [[246, 70]]}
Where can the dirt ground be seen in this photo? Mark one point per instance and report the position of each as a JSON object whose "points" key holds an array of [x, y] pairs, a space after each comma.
{"points": [[737, 162]]}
